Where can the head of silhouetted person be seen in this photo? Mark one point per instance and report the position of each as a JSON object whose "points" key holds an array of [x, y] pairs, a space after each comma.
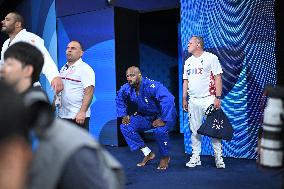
{"points": [[22, 66], [13, 115], [15, 149]]}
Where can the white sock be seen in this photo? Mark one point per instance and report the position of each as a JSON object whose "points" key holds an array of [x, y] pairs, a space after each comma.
{"points": [[146, 151]]}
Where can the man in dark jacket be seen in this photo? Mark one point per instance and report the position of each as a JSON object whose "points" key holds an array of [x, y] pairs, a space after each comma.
{"points": [[15, 150]]}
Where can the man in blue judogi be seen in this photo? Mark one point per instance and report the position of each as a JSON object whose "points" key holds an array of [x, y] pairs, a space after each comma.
{"points": [[155, 110]]}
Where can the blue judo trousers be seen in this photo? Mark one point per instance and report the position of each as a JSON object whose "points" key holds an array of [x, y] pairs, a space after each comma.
{"points": [[153, 101]]}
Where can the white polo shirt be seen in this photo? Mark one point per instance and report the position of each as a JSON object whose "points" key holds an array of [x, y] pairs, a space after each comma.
{"points": [[200, 72], [75, 79]]}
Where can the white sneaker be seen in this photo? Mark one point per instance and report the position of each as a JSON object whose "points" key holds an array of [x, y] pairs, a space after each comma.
{"points": [[219, 162], [194, 161]]}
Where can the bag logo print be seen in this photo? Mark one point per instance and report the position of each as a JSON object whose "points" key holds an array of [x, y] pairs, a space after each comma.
{"points": [[217, 125]]}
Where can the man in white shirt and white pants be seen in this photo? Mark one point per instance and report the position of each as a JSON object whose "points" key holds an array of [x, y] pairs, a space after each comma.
{"points": [[202, 81], [13, 25]]}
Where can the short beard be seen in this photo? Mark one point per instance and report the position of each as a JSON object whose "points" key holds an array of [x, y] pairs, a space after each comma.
{"points": [[6, 31], [3, 30], [70, 60], [134, 85]]}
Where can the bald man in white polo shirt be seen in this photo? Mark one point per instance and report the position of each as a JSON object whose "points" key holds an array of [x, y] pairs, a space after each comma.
{"points": [[79, 83]]}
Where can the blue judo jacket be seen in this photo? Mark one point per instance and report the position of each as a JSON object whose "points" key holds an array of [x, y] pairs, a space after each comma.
{"points": [[154, 100]]}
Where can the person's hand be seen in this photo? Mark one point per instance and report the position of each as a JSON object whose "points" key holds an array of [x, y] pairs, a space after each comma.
{"points": [[217, 103], [57, 84], [158, 123], [126, 120], [80, 117], [184, 104]]}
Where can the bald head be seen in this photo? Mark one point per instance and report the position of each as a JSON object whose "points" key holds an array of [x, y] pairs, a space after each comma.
{"points": [[134, 69], [133, 76], [74, 52]]}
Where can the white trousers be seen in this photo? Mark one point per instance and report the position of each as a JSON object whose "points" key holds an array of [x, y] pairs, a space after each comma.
{"points": [[197, 108]]}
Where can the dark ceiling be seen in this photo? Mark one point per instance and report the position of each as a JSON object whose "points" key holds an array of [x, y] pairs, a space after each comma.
{"points": [[148, 5], [139, 5], [7, 6]]}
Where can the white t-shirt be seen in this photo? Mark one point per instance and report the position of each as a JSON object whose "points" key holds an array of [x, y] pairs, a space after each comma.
{"points": [[200, 72], [49, 67], [75, 79]]}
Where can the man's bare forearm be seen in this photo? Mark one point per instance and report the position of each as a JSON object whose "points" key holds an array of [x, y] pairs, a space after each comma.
{"points": [[184, 88], [218, 84], [87, 99]]}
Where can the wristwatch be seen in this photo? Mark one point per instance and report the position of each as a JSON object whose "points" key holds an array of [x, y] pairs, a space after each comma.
{"points": [[218, 97]]}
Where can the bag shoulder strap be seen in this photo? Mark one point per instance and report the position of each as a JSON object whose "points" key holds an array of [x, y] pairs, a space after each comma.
{"points": [[210, 109]]}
